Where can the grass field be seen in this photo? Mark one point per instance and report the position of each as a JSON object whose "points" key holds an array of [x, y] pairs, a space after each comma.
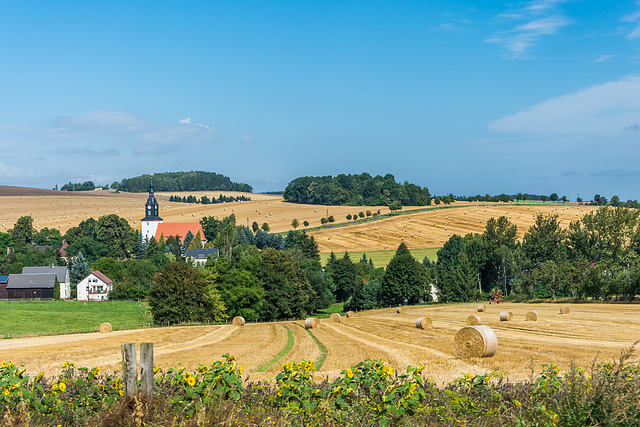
{"points": [[382, 258], [30, 318], [590, 332]]}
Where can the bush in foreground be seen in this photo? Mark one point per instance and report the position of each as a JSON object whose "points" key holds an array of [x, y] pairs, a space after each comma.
{"points": [[370, 393]]}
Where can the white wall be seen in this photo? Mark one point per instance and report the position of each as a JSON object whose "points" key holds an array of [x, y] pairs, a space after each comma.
{"points": [[93, 282]]}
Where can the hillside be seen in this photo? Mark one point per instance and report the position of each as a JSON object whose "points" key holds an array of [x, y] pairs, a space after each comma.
{"points": [[63, 210]]}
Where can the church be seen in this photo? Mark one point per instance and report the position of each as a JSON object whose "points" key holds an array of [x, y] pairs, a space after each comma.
{"points": [[153, 226]]}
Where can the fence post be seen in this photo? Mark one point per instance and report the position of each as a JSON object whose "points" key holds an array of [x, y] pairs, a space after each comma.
{"points": [[129, 369], [146, 369]]}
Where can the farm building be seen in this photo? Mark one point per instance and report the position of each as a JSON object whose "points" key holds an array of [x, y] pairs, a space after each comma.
{"points": [[153, 226], [95, 287], [200, 256], [62, 274], [31, 287], [3, 287]]}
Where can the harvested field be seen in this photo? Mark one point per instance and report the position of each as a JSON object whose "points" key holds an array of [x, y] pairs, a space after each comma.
{"points": [[431, 229], [593, 330]]}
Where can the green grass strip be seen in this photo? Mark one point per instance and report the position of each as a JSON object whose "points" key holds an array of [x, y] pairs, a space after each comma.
{"points": [[323, 351], [283, 352]]}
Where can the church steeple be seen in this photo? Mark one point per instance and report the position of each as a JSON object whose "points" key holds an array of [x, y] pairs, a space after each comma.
{"points": [[151, 207]]}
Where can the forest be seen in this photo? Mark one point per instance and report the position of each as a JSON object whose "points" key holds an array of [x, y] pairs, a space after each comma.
{"points": [[181, 181], [355, 190]]}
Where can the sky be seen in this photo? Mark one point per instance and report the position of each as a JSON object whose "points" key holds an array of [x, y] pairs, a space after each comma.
{"points": [[461, 97]]}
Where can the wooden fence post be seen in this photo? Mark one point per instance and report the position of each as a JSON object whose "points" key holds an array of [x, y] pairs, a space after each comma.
{"points": [[129, 369], [146, 369]]}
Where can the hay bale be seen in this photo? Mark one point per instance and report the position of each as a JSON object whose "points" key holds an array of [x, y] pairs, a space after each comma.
{"points": [[482, 308], [238, 321], [532, 316], [335, 318], [350, 314], [506, 316], [474, 320], [476, 341], [312, 323], [105, 328], [564, 310], [423, 323], [400, 310]]}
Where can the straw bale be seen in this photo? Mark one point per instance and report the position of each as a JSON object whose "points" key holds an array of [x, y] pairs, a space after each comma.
{"points": [[564, 310], [476, 341], [400, 310], [350, 314], [482, 308], [105, 328], [532, 316], [506, 316], [312, 323], [238, 321], [423, 323], [335, 318], [474, 320]]}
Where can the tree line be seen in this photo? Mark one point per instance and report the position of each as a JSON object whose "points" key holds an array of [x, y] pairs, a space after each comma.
{"points": [[181, 181], [356, 190], [207, 201]]}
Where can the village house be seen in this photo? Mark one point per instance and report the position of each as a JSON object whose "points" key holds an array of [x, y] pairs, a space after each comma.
{"points": [[95, 287], [200, 256], [34, 287]]}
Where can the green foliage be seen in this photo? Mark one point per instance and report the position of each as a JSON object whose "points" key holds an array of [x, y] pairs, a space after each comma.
{"points": [[79, 270], [22, 232], [183, 181], [404, 280], [239, 290], [355, 190], [76, 186]]}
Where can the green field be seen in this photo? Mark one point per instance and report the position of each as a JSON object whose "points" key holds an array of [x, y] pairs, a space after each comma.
{"points": [[29, 318], [382, 258]]}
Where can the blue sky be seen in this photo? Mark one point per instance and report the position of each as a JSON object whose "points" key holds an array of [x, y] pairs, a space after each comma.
{"points": [[468, 97]]}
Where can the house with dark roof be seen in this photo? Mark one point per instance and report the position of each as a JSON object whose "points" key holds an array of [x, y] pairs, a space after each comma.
{"points": [[95, 287], [200, 256], [31, 287], [61, 272]]}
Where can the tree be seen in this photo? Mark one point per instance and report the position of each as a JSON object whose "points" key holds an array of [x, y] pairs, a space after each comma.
{"points": [[305, 223], [564, 199], [544, 199], [553, 197], [349, 217], [117, 235], [579, 200], [265, 227], [404, 279], [525, 196], [79, 270], [361, 214], [544, 240], [180, 294], [395, 206], [615, 201], [331, 218], [255, 227], [22, 232], [110, 268], [295, 223], [343, 274], [324, 221]]}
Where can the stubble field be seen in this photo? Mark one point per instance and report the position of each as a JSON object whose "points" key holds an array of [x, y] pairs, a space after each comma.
{"points": [[590, 332], [429, 229]]}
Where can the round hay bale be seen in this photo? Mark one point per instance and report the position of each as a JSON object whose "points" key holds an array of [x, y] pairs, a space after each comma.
{"points": [[400, 310], [476, 341], [350, 314], [423, 323], [532, 316], [506, 316], [312, 323], [564, 310], [482, 308], [238, 321], [474, 320], [105, 328], [335, 318]]}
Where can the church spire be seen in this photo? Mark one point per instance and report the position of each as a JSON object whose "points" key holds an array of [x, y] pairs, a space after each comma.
{"points": [[151, 207]]}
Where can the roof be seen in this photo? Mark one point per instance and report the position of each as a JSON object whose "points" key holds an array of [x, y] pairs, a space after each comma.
{"points": [[3, 279], [101, 276], [18, 281], [181, 229], [63, 248], [202, 253], [59, 271]]}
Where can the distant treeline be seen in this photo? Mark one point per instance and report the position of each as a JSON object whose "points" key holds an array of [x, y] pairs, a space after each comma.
{"points": [[355, 190], [76, 186], [182, 181], [207, 201]]}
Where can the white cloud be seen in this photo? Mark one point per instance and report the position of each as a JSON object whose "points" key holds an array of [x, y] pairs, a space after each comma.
{"points": [[542, 20], [604, 58], [185, 121], [604, 109], [245, 138]]}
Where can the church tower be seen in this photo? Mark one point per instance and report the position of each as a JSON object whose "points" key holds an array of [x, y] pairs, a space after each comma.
{"points": [[151, 220]]}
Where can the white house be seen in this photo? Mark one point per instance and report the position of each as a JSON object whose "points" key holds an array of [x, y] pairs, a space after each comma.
{"points": [[62, 274], [95, 287]]}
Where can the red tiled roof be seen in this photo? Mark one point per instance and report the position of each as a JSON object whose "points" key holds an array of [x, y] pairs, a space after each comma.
{"points": [[181, 229], [101, 276]]}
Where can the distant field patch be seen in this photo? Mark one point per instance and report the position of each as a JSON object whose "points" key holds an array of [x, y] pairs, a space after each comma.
{"points": [[29, 318], [382, 258]]}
